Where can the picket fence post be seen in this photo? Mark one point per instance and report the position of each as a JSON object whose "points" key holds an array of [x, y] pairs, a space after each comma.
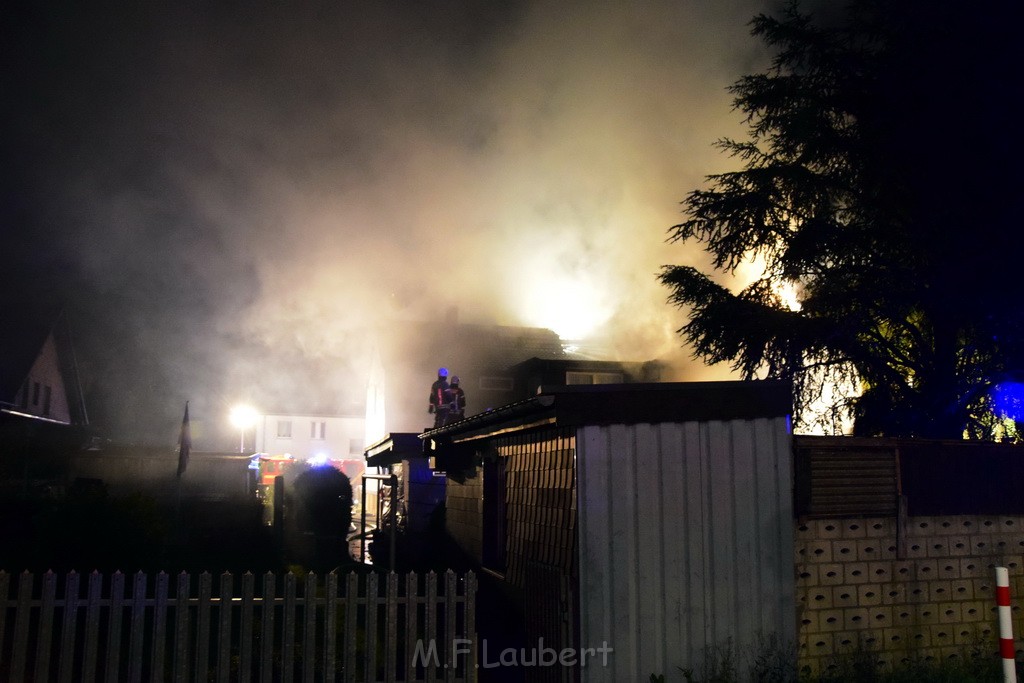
{"points": [[368, 629]]}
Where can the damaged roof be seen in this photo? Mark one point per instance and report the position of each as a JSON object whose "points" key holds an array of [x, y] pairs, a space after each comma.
{"points": [[607, 404]]}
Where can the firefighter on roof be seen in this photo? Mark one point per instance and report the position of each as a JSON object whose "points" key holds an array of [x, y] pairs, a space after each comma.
{"points": [[457, 409], [440, 398]]}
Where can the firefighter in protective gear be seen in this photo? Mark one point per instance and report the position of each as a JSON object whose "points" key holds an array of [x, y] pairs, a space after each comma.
{"points": [[440, 398], [457, 409]]}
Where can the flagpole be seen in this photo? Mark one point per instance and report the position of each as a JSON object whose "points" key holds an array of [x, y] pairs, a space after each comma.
{"points": [[184, 447]]}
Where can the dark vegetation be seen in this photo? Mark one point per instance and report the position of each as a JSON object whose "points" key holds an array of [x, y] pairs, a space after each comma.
{"points": [[85, 528], [878, 185]]}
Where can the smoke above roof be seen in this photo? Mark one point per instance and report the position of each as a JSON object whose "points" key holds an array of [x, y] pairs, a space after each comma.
{"points": [[219, 185]]}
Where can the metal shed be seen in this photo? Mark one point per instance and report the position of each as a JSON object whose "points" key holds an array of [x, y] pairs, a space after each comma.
{"points": [[651, 519]]}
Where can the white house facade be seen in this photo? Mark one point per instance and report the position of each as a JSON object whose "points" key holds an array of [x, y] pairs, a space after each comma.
{"points": [[337, 437]]}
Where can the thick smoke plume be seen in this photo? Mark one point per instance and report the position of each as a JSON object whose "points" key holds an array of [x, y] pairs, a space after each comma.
{"points": [[220, 186]]}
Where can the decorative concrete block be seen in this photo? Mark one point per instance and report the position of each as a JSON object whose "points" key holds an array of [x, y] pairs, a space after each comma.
{"points": [[831, 574], [937, 546], [919, 637], [855, 528], [893, 593], [917, 547], [926, 570], [966, 635], [926, 614], [828, 529], [894, 639], [961, 589], [817, 552], [820, 598], [917, 591], [904, 615], [919, 526], [856, 572], [880, 527], [949, 612], [984, 589], [844, 596], [830, 620], [939, 591], [870, 549], [869, 595], [942, 635], [971, 567], [880, 617], [808, 575], [972, 611], [949, 568], [844, 550], [821, 644], [880, 572], [855, 618]]}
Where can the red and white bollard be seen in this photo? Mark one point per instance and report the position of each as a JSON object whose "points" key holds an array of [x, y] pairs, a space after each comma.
{"points": [[1006, 649]]}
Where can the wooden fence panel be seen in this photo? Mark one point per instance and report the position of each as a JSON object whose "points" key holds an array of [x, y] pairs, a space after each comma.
{"points": [[246, 627], [21, 626], [68, 627], [46, 625], [137, 628], [160, 600], [224, 627], [369, 629]]}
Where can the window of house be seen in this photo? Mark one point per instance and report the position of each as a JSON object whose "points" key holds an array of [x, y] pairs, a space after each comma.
{"points": [[317, 430], [35, 393], [496, 383], [284, 429], [593, 378], [47, 394]]}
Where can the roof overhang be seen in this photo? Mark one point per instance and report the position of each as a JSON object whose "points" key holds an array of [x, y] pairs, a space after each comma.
{"points": [[609, 404], [606, 404], [394, 448]]}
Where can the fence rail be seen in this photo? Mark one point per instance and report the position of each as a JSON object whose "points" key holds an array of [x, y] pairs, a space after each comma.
{"points": [[353, 627]]}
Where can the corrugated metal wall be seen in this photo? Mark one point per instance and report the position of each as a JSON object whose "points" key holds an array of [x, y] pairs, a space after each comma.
{"points": [[685, 542], [838, 476], [540, 501]]}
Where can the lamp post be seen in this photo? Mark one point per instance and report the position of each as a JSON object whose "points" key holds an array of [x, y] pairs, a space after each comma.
{"points": [[243, 417]]}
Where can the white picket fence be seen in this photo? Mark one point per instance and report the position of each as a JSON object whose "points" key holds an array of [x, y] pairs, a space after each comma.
{"points": [[356, 627]]}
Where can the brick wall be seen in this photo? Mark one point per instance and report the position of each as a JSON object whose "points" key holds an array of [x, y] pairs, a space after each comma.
{"points": [[923, 587]]}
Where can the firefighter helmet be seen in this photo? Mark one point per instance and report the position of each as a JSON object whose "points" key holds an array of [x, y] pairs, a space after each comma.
{"points": [[455, 380], [442, 372]]}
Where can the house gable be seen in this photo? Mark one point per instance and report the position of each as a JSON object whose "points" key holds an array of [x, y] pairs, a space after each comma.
{"points": [[38, 373]]}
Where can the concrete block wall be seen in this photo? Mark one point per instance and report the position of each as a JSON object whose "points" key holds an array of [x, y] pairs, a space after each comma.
{"points": [[924, 591]]}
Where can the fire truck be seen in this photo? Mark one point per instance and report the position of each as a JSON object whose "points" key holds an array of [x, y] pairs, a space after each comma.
{"points": [[268, 467]]}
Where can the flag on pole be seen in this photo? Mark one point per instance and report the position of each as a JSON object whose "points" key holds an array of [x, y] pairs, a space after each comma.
{"points": [[184, 442]]}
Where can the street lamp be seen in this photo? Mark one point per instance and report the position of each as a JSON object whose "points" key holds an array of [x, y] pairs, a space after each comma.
{"points": [[243, 417]]}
